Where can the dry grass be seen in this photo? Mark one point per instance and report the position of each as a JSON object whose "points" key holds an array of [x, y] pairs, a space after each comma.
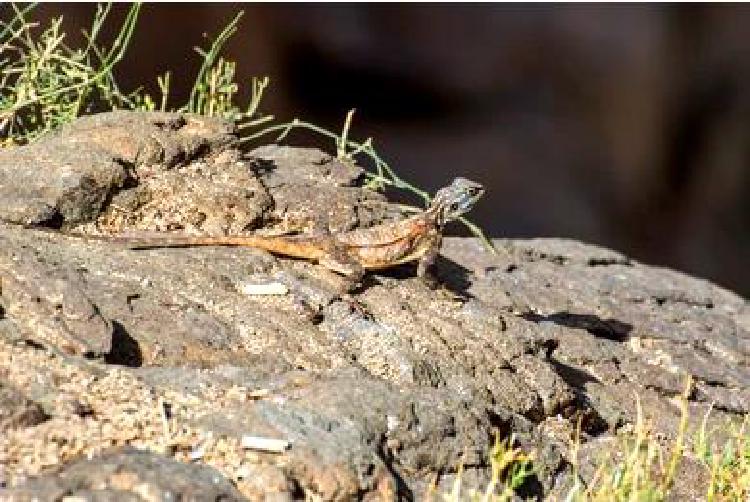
{"points": [[640, 469]]}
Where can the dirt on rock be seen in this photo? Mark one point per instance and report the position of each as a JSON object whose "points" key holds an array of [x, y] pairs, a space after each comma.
{"points": [[133, 374]]}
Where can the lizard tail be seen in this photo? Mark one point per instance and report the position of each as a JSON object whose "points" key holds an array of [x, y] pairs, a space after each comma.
{"points": [[278, 245]]}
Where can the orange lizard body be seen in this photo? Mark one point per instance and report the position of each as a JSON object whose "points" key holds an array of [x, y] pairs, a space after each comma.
{"points": [[416, 238]]}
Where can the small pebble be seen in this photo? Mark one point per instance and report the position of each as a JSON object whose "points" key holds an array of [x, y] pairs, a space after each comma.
{"points": [[273, 288], [265, 444]]}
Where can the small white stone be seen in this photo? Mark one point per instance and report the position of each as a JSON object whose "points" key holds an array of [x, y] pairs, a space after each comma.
{"points": [[272, 288], [265, 444], [197, 453], [392, 422]]}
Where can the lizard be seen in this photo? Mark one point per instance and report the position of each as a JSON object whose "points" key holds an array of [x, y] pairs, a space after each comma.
{"points": [[351, 253]]}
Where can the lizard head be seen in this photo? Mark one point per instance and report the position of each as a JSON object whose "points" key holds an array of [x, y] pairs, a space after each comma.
{"points": [[456, 199]]}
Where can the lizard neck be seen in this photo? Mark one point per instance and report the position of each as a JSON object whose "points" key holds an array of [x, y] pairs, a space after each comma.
{"points": [[434, 216]]}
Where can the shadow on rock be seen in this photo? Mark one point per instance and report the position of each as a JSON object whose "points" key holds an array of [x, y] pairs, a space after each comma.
{"points": [[610, 329], [125, 349], [444, 273], [262, 166], [454, 276], [402, 488], [531, 489], [590, 420], [574, 377], [54, 220]]}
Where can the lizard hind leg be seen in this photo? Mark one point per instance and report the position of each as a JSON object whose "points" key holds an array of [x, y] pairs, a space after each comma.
{"points": [[354, 272], [343, 264]]}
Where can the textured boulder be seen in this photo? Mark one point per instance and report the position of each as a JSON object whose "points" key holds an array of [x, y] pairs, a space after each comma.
{"points": [[162, 350], [128, 475], [65, 179]]}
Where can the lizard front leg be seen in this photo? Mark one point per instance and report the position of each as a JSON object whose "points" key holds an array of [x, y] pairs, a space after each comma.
{"points": [[427, 262]]}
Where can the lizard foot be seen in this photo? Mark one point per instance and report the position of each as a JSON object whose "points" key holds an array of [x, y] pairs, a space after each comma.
{"points": [[355, 306], [431, 281], [304, 307]]}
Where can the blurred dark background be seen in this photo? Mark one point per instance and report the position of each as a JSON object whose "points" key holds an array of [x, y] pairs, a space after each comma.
{"points": [[625, 126]]}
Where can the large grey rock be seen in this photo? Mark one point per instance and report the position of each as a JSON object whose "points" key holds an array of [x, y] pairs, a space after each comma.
{"points": [[65, 178], [125, 476], [376, 401]]}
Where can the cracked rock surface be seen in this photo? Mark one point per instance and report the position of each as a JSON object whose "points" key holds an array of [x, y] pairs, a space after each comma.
{"points": [[154, 364]]}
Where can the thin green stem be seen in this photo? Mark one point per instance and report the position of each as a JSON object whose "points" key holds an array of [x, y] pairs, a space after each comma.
{"points": [[209, 57], [114, 57]]}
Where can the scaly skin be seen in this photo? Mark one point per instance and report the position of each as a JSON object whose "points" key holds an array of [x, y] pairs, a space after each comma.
{"points": [[416, 238]]}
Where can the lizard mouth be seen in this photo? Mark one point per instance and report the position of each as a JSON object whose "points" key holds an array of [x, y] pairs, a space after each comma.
{"points": [[463, 205], [467, 199]]}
